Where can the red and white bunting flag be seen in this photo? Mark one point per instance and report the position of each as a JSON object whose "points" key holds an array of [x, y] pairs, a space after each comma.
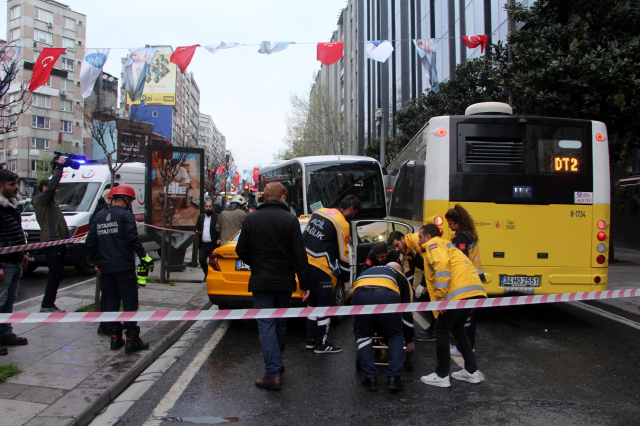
{"points": [[329, 53], [182, 56], [221, 169], [256, 172], [236, 179], [475, 41], [43, 66]]}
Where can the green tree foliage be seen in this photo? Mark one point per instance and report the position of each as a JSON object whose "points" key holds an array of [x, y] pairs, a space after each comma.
{"points": [[577, 59], [393, 146]]}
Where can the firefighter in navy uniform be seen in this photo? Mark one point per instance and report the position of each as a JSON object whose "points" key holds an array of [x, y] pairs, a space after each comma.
{"points": [[380, 285], [112, 241], [326, 239], [380, 255]]}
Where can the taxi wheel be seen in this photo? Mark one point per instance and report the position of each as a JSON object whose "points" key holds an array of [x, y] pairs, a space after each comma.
{"points": [[338, 300]]}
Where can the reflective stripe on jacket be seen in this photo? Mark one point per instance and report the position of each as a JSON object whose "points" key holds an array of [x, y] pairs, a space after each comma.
{"points": [[326, 240], [449, 274]]}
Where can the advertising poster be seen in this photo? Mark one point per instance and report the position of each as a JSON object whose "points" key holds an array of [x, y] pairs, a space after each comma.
{"points": [[136, 70], [181, 169], [160, 82]]}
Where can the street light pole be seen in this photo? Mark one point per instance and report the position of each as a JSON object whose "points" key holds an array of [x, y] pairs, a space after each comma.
{"points": [[383, 148]]}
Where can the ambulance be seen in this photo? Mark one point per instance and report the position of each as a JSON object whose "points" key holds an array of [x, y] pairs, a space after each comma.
{"points": [[78, 195]]}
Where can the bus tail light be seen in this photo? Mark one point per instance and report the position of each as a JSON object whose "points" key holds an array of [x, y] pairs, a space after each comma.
{"points": [[602, 224], [597, 280], [602, 236], [438, 221], [600, 259], [213, 262], [599, 137], [442, 132]]}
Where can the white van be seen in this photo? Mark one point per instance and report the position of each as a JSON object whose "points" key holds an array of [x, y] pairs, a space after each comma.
{"points": [[78, 195]]}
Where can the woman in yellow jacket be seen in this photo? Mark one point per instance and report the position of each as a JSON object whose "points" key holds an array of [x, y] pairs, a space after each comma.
{"points": [[466, 240]]}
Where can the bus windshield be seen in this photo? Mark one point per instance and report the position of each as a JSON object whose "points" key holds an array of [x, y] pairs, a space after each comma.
{"points": [[74, 197], [328, 184]]}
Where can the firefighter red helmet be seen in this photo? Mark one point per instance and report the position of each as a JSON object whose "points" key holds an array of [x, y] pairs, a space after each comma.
{"points": [[122, 190]]}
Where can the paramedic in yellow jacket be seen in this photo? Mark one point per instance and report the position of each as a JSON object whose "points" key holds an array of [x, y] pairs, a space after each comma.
{"points": [[450, 276], [326, 239]]}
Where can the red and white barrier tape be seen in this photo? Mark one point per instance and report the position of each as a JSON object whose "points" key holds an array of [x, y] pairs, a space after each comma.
{"points": [[306, 312], [167, 229]]}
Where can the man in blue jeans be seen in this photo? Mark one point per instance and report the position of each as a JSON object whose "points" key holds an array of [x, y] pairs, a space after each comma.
{"points": [[271, 244], [11, 264]]}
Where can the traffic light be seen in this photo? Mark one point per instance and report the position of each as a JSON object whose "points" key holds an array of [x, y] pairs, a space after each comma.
{"points": [[246, 187]]}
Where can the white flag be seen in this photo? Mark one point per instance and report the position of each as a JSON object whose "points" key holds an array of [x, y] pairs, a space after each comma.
{"points": [[270, 47], [245, 173], [379, 50], [91, 68], [213, 49]]}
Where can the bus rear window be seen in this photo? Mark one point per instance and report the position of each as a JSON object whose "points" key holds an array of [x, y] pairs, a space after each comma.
{"points": [[558, 150]]}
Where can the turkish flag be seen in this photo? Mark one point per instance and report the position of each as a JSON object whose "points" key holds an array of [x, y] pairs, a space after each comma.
{"points": [[328, 53], [475, 41], [182, 56], [43, 66], [221, 169], [256, 172], [236, 179]]}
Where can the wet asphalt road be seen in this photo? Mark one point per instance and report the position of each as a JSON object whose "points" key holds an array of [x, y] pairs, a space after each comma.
{"points": [[32, 284], [544, 365]]}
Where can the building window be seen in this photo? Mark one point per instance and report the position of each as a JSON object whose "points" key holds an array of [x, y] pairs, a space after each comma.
{"points": [[68, 43], [42, 101], [66, 105], [15, 12], [2, 157], [67, 85], [67, 64], [13, 165], [40, 165], [68, 23], [43, 15], [42, 36], [14, 34], [66, 126], [40, 122], [13, 143], [154, 114], [38, 143]]}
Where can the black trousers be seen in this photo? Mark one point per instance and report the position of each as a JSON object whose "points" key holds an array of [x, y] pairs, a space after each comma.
{"points": [[320, 295], [55, 261], [204, 251], [120, 287], [452, 322]]}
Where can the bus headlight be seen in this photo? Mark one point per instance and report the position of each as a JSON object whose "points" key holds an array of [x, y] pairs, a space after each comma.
{"points": [[601, 248]]}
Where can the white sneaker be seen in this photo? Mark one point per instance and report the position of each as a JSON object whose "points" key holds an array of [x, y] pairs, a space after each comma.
{"points": [[465, 376], [434, 380], [455, 352]]}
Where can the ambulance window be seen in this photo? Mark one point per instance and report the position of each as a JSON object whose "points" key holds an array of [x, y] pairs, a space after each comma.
{"points": [[76, 197]]}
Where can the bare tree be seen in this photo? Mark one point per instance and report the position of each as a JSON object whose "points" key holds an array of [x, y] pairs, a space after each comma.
{"points": [[16, 98]]}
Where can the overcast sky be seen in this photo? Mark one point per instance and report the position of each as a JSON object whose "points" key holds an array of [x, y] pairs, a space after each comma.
{"points": [[246, 93]]}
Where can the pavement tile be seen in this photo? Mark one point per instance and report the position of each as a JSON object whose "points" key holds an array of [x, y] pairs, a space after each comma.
{"points": [[41, 395], [70, 304], [82, 403], [161, 365], [50, 421], [11, 390], [177, 298], [23, 357], [58, 376], [19, 412], [134, 391], [106, 376], [86, 355], [113, 413], [19, 329]]}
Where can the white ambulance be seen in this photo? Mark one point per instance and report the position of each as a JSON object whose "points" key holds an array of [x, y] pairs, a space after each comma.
{"points": [[78, 195]]}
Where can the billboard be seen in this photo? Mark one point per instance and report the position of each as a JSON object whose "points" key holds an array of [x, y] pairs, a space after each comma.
{"points": [[174, 175], [160, 84]]}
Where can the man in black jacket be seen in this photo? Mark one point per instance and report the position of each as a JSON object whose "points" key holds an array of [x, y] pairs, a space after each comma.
{"points": [[271, 243], [11, 264], [207, 236]]}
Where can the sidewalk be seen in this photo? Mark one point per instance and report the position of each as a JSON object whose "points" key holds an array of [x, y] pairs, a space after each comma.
{"points": [[69, 374]]}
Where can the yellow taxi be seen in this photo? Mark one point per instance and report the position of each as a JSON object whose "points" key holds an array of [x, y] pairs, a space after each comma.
{"points": [[228, 277]]}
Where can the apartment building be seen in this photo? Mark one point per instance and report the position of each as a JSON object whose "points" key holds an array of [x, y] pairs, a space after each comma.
{"points": [[55, 115], [210, 138]]}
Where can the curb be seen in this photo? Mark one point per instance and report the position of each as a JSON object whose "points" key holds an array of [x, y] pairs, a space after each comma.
{"points": [[99, 390], [618, 307]]}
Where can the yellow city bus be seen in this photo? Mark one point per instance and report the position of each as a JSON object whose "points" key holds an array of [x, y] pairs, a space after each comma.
{"points": [[537, 188]]}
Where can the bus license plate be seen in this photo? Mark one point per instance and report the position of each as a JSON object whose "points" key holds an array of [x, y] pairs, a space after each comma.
{"points": [[241, 266], [516, 281]]}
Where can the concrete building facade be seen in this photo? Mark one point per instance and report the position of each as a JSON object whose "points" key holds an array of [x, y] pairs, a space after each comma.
{"points": [[211, 140], [56, 113], [361, 85]]}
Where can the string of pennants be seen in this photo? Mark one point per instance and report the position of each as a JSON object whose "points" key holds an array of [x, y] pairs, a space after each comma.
{"points": [[140, 60]]}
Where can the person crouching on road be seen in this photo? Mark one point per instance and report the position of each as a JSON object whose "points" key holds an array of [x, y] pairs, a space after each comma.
{"points": [[112, 241], [381, 285], [380, 255], [450, 275], [271, 243]]}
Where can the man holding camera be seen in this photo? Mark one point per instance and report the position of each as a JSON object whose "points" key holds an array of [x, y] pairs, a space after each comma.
{"points": [[53, 227]]}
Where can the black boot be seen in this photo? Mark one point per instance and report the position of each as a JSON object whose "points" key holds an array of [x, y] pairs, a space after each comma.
{"points": [[116, 340], [371, 383], [134, 343], [395, 383]]}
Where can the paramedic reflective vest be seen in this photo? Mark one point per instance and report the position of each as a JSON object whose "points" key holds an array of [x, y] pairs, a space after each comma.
{"points": [[412, 257], [465, 243], [326, 239], [385, 276], [450, 275]]}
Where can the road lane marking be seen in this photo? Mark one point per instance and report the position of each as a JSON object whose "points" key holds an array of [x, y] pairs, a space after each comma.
{"points": [[162, 409], [606, 314]]}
